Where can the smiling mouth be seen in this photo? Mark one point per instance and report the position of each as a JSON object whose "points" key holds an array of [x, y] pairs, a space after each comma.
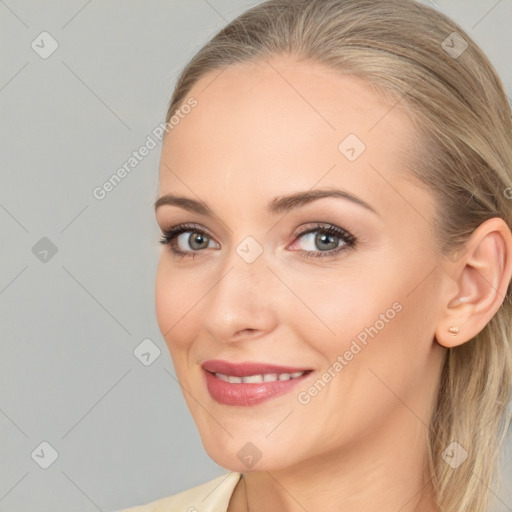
{"points": [[252, 384]]}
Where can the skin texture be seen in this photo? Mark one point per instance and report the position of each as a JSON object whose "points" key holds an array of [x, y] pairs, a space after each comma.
{"points": [[268, 129]]}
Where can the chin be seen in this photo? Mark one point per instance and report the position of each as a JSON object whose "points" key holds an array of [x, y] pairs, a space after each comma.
{"points": [[241, 455]]}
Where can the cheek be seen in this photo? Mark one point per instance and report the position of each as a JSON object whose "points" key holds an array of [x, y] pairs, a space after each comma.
{"points": [[378, 352], [175, 300], [338, 305], [372, 314], [164, 304]]}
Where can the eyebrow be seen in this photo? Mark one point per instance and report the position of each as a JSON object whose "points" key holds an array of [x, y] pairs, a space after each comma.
{"points": [[278, 205]]}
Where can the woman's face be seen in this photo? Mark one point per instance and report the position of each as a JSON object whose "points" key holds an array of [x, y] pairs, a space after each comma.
{"points": [[263, 282]]}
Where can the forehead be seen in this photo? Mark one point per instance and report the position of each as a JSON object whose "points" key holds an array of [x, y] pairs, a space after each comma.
{"points": [[267, 128]]}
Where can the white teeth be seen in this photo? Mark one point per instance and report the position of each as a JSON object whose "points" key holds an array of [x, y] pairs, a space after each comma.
{"points": [[254, 379], [251, 379]]}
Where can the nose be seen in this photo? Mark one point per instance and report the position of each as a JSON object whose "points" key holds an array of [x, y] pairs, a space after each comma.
{"points": [[242, 301]]}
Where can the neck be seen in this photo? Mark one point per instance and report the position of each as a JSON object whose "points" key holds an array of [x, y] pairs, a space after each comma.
{"points": [[383, 471]]}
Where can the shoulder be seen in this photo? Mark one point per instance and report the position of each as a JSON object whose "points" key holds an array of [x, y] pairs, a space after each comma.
{"points": [[211, 496]]}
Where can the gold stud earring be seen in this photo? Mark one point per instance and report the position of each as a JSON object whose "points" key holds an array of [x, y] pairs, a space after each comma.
{"points": [[453, 330]]}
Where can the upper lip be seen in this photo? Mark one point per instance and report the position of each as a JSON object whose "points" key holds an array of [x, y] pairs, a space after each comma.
{"points": [[245, 369]]}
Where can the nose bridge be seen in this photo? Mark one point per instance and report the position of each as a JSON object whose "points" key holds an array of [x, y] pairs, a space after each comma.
{"points": [[244, 275], [245, 262]]}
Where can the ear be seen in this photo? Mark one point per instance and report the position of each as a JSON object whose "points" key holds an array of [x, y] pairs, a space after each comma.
{"points": [[480, 278]]}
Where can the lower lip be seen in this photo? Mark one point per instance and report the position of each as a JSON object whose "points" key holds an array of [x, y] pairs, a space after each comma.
{"points": [[248, 394]]}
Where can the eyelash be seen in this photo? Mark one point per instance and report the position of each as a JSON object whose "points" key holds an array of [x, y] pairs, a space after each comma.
{"points": [[169, 237]]}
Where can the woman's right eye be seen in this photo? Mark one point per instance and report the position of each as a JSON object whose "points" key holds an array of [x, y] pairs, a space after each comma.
{"points": [[186, 234]]}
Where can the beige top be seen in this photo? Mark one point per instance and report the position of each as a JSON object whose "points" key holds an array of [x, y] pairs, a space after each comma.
{"points": [[212, 496]]}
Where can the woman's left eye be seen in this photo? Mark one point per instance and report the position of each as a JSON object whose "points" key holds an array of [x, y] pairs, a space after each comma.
{"points": [[327, 238]]}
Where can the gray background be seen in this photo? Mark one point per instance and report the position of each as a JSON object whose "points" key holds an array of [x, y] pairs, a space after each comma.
{"points": [[69, 324]]}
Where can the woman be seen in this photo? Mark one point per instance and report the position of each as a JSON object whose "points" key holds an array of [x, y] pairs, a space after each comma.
{"points": [[334, 288]]}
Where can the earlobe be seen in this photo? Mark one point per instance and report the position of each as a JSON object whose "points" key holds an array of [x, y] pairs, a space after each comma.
{"points": [[481, 278], [451, 337]]}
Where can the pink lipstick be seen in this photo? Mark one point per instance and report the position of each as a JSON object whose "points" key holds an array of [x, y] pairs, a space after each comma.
{"points": [[250, 383]]}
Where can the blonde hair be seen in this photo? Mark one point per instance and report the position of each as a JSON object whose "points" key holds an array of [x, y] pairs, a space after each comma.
{"points": [[461, 150]]}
